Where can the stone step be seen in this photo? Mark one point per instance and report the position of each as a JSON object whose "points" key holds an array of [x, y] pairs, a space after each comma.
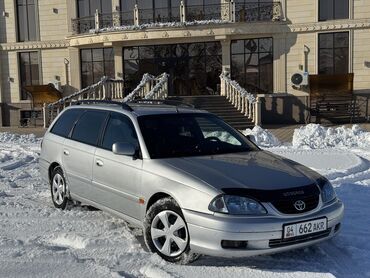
{"points": [[219, 106]]}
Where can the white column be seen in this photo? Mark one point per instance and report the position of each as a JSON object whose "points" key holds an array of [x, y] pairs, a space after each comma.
{"points": [[118, 61], [279, 64], [75, 67]]}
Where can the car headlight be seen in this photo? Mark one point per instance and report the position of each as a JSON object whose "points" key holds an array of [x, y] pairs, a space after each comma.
{"points": [[327, 191], [236, 205]]}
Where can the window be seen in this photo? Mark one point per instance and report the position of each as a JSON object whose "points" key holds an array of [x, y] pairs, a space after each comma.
{"points": [[119, 129], [334, 53], [29, 71], [89, 7], [26, 15], [96, 63], [65, 122], [252, 64], [88, 127], [333, 9]]}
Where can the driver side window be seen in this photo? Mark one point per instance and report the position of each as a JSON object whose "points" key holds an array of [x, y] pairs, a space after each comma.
{"points": [[119, 129]]}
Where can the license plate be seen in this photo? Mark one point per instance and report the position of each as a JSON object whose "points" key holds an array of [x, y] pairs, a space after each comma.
{"points": [[305, 228]]}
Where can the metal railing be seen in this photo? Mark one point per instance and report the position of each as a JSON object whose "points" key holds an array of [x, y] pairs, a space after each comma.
{"points": [[105, 89], [258, 11], [159, 15], [224, 12], [247, 103], [207, 12]]}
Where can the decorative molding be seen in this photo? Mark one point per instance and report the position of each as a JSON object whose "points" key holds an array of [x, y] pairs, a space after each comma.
{"points": [[330, 25], [34, 45], [187, 34], [165, 34]]}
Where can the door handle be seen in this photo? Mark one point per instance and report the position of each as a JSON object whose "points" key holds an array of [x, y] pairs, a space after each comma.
{"points": [[99, 163], [66, 152]]}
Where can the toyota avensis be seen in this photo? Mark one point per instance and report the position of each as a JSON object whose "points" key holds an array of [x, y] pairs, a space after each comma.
{"points": [[190, 181]]}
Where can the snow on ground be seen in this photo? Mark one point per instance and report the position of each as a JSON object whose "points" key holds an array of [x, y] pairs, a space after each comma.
{"points": [[37, 240]]}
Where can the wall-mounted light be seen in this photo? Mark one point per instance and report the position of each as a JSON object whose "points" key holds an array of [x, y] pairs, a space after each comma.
{"points": [[5, 14], [117, 8], [55, 10], [57, 77], [10, 79], [367, 64], [66, 61]]}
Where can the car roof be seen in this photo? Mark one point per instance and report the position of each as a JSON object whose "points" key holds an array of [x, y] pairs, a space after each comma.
{"points": [[139, 109]]}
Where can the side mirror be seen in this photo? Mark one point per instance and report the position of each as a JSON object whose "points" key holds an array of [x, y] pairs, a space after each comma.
{"points": [[121, 148]]}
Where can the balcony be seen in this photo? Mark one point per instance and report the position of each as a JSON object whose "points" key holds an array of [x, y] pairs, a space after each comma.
{"points": [[178, 16]]}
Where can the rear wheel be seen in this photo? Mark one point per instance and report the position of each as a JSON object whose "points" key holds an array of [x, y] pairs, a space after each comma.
{"points": [[166, 232], [58, 189]]}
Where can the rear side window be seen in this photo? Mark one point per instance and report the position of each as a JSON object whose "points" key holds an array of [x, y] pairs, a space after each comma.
{"points": [[65, 122], [88, 127]]}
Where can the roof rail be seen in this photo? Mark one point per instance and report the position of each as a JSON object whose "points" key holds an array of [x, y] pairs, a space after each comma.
{"points": [[124, 106], [176, 103]]}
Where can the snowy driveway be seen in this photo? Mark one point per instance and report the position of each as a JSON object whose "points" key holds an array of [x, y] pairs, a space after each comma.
{"points": [[37, 240]]}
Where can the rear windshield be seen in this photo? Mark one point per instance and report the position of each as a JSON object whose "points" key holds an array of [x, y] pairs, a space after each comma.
{"points": [[179, 135]]}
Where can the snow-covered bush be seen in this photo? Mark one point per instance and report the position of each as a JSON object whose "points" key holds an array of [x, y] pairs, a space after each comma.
{"points": [[315, 136], [262, 137]]}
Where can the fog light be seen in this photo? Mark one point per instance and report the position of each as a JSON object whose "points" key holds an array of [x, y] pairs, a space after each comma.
{"points": [[232, 244], [336, 228]]}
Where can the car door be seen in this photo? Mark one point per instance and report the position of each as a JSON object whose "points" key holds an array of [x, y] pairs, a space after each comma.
{"points": [[79, 150], [117, 178]]}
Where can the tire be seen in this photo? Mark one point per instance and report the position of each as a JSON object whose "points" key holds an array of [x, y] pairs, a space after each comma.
{"points": [[58, 188], [169, 240]]}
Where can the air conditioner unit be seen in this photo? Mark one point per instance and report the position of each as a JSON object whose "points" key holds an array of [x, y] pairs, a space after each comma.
{"points": [[300, 79]]}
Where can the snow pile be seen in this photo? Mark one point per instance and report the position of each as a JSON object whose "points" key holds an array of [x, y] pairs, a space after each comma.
{"points": [[315, 136], [262, 137], [6, 137]]}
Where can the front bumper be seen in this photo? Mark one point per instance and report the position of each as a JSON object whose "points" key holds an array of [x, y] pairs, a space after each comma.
{"points": [[208, 231]]}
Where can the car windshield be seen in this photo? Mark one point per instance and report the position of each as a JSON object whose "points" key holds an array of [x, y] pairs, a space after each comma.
{"points": [[190, 134]]}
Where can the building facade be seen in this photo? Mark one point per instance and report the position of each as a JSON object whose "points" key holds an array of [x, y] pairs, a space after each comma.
{"points": [[73, 43]]}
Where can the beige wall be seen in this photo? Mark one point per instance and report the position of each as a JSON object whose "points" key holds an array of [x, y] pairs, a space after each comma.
{"points": [[7, 23], [361, 59], [53, 23], [53, 64], [301, 11], [361, 9], [10, 78]]}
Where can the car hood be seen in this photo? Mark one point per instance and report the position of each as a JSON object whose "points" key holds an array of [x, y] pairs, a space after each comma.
{"points": [[252, 170]]}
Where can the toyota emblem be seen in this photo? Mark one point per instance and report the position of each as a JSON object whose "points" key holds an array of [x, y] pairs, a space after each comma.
{"points": [[300, 205]]}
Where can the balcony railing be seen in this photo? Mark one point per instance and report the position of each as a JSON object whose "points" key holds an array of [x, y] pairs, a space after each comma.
{"points": [[223, 12], [259, 11], [208, 12]]}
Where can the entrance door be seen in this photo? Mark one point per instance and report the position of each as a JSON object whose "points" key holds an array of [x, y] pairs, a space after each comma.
{"points": [[194, 68]]}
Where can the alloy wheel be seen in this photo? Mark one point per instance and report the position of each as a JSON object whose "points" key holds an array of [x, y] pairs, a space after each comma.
{"points": [[58, 187], [169, 233]]}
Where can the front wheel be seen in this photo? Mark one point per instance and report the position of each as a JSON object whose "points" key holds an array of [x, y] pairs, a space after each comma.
{"points": [[166, 232]]}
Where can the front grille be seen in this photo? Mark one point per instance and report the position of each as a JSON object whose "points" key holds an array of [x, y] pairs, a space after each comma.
{"points": [[287, 205], [274, 243]]}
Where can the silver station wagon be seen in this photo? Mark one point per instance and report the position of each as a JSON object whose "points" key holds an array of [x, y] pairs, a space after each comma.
{"points": [[193, 184]]}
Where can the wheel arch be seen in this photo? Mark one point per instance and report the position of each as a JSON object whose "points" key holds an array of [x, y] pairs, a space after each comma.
{"points": [[53, 166], [158, 196]]}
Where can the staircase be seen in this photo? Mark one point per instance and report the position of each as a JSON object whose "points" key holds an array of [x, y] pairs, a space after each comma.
{"points": [[219, 106]]}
